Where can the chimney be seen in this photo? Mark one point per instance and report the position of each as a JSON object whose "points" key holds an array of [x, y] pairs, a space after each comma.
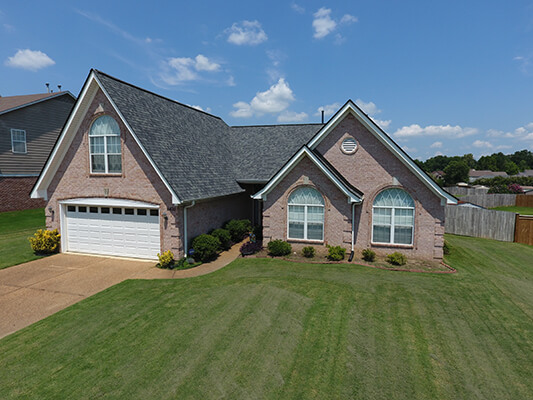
{"points": [[47, 87], [322, 116], [59, 87]]}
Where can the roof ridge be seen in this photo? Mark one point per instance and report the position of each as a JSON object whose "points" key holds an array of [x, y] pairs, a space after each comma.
{"points": [[268, 125], [156, 94]]}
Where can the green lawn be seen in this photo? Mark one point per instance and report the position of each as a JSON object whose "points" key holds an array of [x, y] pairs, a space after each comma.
{"points": [[515, 209], [263, 328], [15, 228]]}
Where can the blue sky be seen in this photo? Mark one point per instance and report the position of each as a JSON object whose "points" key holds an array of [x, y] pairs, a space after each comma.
{"points": [[440, 77]]}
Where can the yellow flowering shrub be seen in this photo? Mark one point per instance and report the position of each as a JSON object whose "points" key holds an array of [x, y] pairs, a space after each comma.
{"points": [[45, 241], [166, 260]]}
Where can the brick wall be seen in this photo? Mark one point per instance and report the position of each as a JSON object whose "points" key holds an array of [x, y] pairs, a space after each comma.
{"points": [[15, 194], [371, 169]]}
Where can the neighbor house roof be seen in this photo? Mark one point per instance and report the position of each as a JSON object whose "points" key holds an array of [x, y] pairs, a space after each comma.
{"points": [[11, 103], [260, 151], [485, 173]]}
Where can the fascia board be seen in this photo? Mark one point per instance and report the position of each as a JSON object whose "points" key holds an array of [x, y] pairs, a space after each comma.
{"points": [[175, 198]]}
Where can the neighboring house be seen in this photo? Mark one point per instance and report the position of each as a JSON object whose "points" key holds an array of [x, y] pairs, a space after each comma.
{"points": [[526, 173], [29, 127], [134, 173], [474, 175], [438, 174]]}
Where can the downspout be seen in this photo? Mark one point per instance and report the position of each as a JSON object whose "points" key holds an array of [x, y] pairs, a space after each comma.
{"points": [[185, 238], [353, 232]]}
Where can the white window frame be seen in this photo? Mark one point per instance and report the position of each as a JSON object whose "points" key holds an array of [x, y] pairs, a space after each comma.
{"points": [[305, 219], [13, 141], [105, 153], [392, 224]]}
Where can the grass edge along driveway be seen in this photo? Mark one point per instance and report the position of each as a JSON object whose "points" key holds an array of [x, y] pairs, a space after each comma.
{"points": [[263, 328]]}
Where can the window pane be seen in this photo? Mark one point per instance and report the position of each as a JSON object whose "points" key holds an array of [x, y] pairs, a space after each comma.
{"points": [[117, 210], [105, 125], [141, 211], [296, 230], [314, 231], [306, 195], [19, 147], [403, 217], [128, 211], [315, 214], [71, 208], [381, 234], [114, 163], [113, 144], [97, 145], [98, 163], [296, 213], [382, 216], [154, 213], [403, 235], [104, 210], [82, 209]]}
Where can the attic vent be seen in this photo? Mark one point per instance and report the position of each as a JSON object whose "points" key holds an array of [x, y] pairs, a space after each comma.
{"points": [[349, 145]]}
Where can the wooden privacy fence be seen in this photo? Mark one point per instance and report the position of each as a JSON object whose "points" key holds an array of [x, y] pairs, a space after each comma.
{"points": [[491, 200], [476, 222], [463, 191], [524, 200], [524, 229]]}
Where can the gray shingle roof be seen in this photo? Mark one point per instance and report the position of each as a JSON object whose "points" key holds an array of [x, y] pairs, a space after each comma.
{"points": [[199, 154], [260, 151]]}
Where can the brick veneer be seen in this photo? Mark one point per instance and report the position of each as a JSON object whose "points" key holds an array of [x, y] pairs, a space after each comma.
{"points": [[371, 169], [15, 194]]}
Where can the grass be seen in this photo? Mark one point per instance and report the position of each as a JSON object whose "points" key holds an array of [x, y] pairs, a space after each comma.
{"points": [[515, 209], [266, 328], [15, 228]]}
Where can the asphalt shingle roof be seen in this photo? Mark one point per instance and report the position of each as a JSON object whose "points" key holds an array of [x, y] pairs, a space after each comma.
{"points": [[199, 154], [8, 103]]}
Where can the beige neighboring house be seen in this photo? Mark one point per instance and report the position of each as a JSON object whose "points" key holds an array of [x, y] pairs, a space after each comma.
{"points": [[474, 175], [134, 173], [29, 128]]}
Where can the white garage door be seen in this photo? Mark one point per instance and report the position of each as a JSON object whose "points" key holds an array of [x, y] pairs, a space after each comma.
{"points": [[112, 230]]}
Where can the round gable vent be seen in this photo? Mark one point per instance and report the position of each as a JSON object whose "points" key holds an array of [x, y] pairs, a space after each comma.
{"points": [[349, 145]]}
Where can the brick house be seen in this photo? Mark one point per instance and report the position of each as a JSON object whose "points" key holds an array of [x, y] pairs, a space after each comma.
{"points": [[29, 127], [134, 174]]}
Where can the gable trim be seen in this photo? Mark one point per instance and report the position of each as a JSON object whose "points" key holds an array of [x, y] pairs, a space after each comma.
{"points": [[351, 108], [288, 167], [63, 143]]}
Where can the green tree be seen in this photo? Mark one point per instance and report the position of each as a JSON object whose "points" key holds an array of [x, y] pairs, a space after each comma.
{"points": [[511, 168], [456, 171]]}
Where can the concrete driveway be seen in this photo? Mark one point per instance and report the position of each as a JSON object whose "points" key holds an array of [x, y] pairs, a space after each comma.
{"points": [[32, 291]]}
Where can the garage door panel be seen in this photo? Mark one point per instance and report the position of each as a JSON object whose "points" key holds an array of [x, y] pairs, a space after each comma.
{"points": [[113, 233]]}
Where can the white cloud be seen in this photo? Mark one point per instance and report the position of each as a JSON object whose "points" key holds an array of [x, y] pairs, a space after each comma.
{"points": [[208, 109], [292, 116], [368, 107], [32, 60], [522, 132], [246, 33], [481, 143], [299, 9], [436, 145], [329, 109], [348, 19], [383, 124], [183, 69], [323, 24], [434, 130], [274, 100], [409, 149], [231, 81]]}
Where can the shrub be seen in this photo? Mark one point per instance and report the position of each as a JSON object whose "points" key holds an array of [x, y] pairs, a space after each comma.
{"points": [[279, 248], [238, 228], [166, 260], [369, 255], [308, 251], [249, 248], [224, 237], [446, 248], [397, 258], [45, 241], [336, 253], [258, 232], [205, 247]]}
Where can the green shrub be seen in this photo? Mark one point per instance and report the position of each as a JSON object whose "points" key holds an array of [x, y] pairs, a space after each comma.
{"points": [[279, 248], [369, 255], [396, 258], [308, 251], [336, 253], [446, 248], [45, 241], [205, 247], [224, 236], [166, 260], [238, 228]]}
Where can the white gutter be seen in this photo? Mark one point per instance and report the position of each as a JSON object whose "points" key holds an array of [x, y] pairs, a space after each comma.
{"points": [[185, 238]]}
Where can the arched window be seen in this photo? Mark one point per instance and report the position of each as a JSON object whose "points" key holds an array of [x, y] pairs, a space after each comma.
{"points": [[306, 214], [393, 217], [104, 146]]}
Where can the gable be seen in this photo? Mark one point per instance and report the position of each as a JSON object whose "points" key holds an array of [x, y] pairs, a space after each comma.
{"points": [[351, 110]]}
